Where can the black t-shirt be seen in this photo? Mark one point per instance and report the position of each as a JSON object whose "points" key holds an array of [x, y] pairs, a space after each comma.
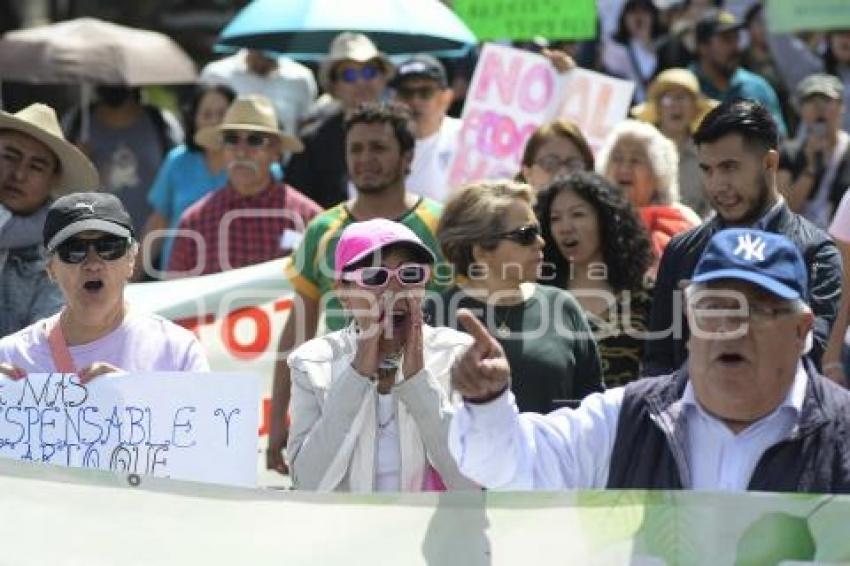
{"points": [[546, 339]]}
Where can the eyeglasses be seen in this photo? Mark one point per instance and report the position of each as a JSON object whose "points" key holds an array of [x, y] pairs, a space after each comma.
{"points": [[524, 235], [352, 74], [709, 314], [422, 92], [552, 164], [108, 248], [408, 275], [252, 140]]}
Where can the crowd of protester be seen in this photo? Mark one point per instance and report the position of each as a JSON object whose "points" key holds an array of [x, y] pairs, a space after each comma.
{"points": [[540, 299]]}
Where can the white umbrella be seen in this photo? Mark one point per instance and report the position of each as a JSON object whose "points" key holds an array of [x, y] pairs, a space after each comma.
{"points": [[92, 51]]}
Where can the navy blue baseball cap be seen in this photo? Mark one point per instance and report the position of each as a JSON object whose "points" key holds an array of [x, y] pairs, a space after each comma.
{"points": [[769, 261]]}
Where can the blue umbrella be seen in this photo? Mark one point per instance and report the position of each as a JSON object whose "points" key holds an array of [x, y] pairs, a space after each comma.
{"points": [[303, 29]]}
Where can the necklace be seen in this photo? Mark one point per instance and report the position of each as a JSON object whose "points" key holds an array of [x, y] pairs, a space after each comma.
{"points": [[503, 330], [382, 426]]}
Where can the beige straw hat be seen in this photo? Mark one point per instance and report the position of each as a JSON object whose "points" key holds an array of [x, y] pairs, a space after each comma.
{"points": [[252, 113], [677, 77], [350, 46], [76, 172]]}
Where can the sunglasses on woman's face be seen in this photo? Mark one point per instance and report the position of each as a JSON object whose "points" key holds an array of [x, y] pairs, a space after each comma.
{"points": [[108, 248], [408, 275], [233, 139], [524, 235]]}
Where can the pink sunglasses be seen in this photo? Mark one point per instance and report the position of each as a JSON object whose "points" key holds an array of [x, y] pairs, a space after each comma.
{"points": [[408, 275]]}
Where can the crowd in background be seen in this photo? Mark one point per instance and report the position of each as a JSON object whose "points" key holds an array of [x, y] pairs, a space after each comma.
{"points": [[591, 248]]}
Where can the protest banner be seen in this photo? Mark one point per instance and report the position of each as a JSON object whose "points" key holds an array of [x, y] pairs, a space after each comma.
{"points": [[788, 16], [512, 93], [182, 523], [527, 19], [200, 427]]}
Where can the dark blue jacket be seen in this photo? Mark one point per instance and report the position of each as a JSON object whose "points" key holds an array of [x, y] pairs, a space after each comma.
{"points": [[649, 449], [666, 355]]}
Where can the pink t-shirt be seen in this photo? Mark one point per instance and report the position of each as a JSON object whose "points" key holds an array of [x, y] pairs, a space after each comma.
{"points": [[143, 342]]}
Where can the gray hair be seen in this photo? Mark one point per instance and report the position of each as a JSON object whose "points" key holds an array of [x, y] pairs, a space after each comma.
{"points": [[662, 153]]}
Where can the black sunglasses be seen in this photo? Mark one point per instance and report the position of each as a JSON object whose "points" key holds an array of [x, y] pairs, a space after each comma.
{"points": [[108, 248], [524, 235], [252, 140]]}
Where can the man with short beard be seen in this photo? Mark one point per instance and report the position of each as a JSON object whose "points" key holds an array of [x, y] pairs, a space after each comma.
{"points": [[379, 142], [262, 219], [739, 158], [718, 65]]}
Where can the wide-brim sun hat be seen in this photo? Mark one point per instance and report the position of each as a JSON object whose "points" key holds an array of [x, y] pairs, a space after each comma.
{"points": [[350, 46], [76, 171], [361, 239], [667, 80], [251, 113]]}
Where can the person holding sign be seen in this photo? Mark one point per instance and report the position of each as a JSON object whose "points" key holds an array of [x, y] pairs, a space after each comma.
{"points": [[91, 254], [370, 409], [491, 236], [640, 160]]}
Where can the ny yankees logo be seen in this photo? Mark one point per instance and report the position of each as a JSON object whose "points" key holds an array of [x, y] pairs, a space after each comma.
{"points": [[750, 248], [88, 205]]}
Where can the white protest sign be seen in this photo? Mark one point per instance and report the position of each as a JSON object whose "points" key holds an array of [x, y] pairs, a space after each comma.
{"points": [[595, 102], [512, 93], [200, 427]]}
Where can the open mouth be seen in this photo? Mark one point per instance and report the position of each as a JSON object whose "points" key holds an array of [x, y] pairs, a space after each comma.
{"points": [[731, 359], [399, 319], [93, 286]]}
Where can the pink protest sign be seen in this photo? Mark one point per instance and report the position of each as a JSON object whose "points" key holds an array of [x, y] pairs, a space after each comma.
{"points": [[512, 93]]}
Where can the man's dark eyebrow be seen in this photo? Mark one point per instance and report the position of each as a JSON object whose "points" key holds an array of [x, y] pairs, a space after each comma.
{"points": [[13, 150]]}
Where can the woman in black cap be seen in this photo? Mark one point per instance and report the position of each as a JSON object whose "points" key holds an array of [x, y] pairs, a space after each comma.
{"points": [[91, 253]]}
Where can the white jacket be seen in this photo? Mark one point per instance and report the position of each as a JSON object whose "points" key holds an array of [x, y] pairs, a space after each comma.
{"points": [[333, 431]]}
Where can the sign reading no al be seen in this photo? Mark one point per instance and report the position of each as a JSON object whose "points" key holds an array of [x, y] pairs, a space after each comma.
{"points": [[526, 19]]}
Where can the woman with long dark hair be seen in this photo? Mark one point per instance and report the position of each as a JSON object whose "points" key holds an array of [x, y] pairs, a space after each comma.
{"points": [[597, 248]]}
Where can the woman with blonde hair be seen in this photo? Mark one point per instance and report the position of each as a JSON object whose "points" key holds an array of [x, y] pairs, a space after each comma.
{"points": [[675, 105], [645, 165], [489, 233]]}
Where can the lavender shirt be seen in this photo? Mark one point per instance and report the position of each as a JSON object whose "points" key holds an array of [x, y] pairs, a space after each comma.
{"points": [[143, 342]]}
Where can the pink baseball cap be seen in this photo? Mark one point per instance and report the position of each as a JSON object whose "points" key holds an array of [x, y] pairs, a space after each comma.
{"points": [[361, 239]]}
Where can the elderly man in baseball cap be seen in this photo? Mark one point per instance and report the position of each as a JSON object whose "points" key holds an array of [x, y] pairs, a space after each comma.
{"points": [[746, 411], [91, 249], [36, 164]]}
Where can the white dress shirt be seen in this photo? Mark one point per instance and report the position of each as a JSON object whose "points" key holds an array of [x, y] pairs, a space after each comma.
{"points": [[499, 448]]}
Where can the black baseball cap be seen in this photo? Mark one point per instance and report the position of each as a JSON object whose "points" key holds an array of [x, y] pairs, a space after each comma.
{"points": [[714, 22], [422, 67], [79, 212]]}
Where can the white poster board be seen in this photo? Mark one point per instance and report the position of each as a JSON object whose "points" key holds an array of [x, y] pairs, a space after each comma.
{"points": [[512, 93], [200, 427]]}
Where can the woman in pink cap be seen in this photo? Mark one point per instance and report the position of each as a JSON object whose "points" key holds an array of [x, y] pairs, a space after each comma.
{"points": [[370, 409]]}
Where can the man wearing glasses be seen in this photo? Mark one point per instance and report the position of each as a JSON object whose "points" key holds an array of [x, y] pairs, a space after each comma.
{"points": [[354, 72], [36, 162], [253, 218], [746, 412], [421, 83]]}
